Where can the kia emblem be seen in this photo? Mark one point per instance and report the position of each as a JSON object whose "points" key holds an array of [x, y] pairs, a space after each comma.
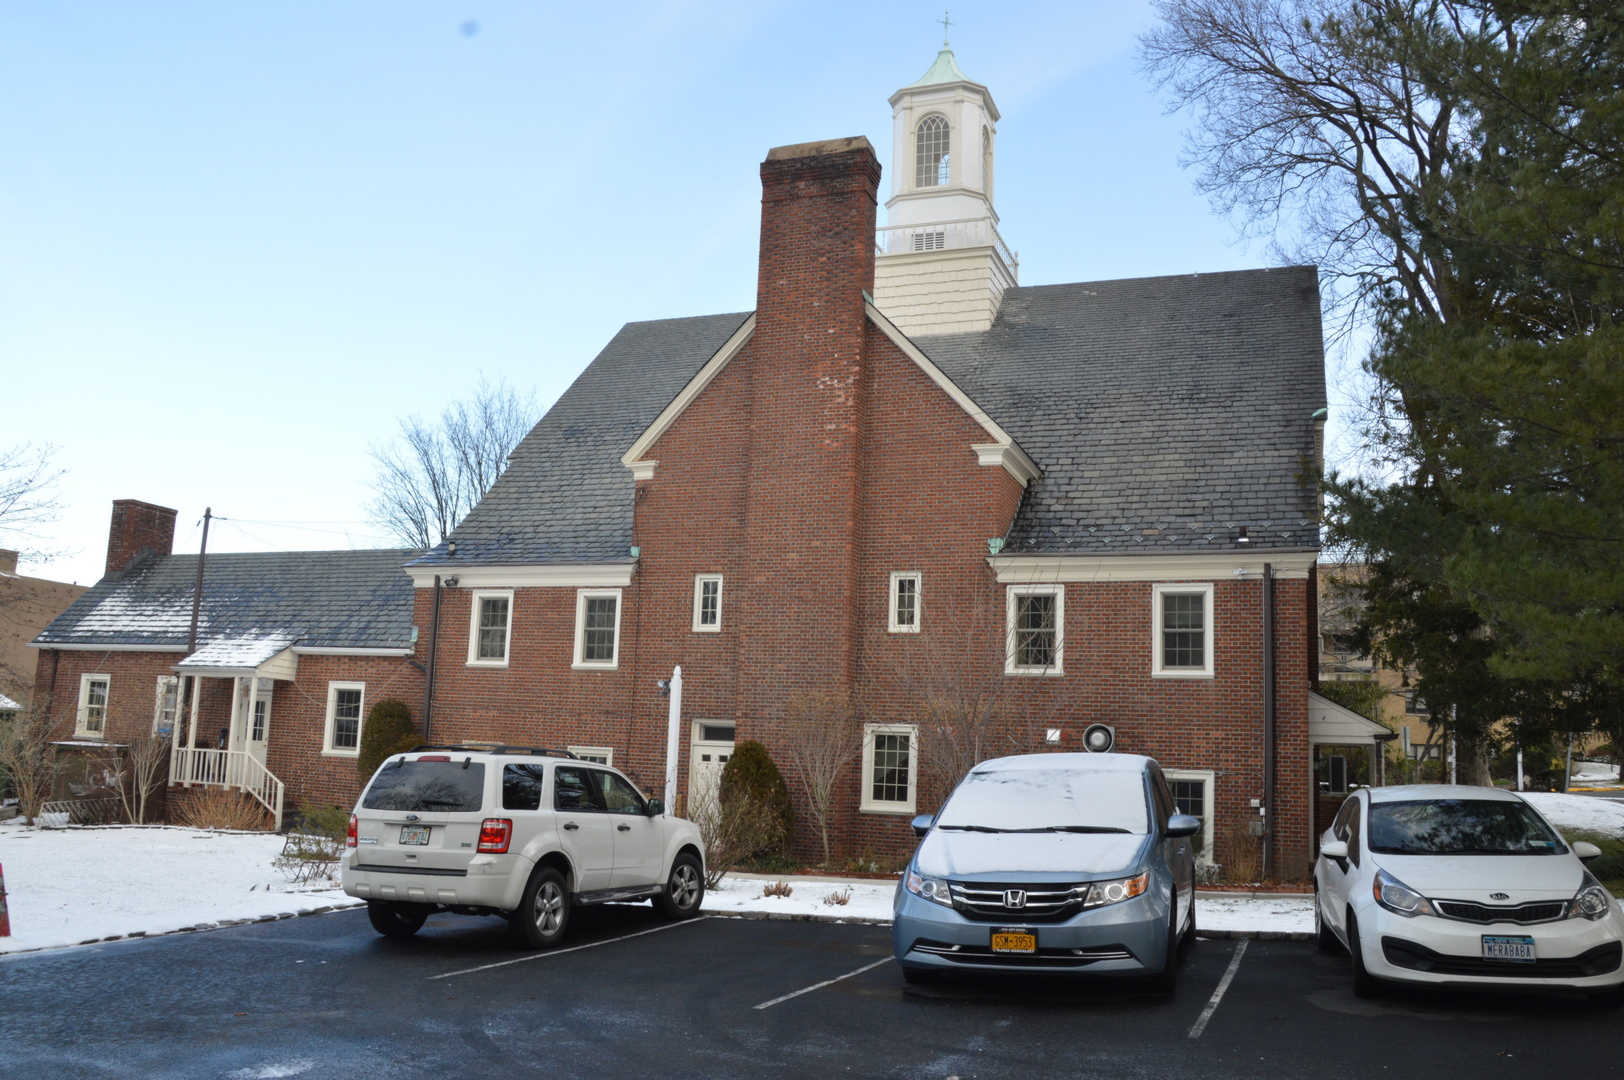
{"points": [[1499, 896], [1014, 898]]}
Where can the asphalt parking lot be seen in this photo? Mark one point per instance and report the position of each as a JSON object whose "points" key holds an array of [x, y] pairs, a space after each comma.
{"points": [[633, 996]]}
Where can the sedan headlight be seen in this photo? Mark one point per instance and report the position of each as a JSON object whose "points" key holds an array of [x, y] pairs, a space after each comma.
{"points": [[1399, 898], [928, 888], [1593, 901], [1101, 893]]}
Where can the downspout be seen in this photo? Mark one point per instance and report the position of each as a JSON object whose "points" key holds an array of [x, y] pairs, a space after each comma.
{"points": [[434, 648], [1268, 720]]}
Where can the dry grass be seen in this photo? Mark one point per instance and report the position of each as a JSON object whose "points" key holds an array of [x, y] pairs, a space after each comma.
{"points": [[221, 808], [838, 898], [1243, 855], [777, 888]]}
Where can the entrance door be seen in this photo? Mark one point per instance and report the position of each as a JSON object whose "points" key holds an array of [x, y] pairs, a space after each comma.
{"points": [[251, 732], [713, 745]]}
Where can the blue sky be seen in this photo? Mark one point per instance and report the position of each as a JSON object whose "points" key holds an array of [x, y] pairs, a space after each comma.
{"points": [[241, 241]]}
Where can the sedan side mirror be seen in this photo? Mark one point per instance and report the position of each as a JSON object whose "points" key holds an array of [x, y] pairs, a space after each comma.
{"points": [[655, 808], [922, 824], [1586, 850], [1334, 849], [1183, 825]]}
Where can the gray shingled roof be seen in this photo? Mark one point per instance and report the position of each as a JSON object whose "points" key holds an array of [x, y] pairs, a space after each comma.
{"points": [[319, 599], [1164, 412]]}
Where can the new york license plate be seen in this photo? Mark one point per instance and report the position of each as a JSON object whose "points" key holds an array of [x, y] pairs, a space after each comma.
{"points": [[1014, 941], [414, 834], [1519, 950]]}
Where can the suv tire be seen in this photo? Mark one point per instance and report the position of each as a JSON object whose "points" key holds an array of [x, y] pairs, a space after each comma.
{"points": [[544, 912], [396, 920], [684, 889]]}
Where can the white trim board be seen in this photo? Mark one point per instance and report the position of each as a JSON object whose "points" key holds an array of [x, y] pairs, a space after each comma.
{"points": [[1037, 569], [558, 576]]}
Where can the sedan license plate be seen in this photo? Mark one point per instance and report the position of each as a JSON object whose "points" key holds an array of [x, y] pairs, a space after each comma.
{"points": [[1517, 950], [1014, 941], [414, 834]]}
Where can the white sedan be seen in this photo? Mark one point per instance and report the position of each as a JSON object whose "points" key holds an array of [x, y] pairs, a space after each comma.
{"points": [[1448, 884]]}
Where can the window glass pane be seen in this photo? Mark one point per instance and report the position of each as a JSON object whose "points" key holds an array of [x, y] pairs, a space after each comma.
{"points": [[438, 786], [521, 786], [1184, 633], [493, 619], [572, 790], [716, 732], [890, 768], [1190, 797], [710, 600], [346, 719], [598, 633], [262, 709], [1035, 630], [1460, 827], [931, 161], [619, 797], [907, 600]]}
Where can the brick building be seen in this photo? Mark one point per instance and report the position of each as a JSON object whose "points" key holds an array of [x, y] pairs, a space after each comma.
{"points": [[1077, 504], [27, 604]]}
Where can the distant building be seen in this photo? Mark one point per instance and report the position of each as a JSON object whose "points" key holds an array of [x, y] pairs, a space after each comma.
{"points": [[27, 604]]}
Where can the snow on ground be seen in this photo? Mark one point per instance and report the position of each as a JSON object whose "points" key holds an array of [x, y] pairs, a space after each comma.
{"points": [[1579, 811], [76, 885]]}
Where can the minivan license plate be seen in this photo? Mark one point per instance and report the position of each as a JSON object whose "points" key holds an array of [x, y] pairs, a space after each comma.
{"points": [[414, 834], [1014, 941], [1514, 949]]}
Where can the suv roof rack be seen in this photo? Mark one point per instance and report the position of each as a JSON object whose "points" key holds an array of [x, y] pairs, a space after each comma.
{"points": [[494, 748]]}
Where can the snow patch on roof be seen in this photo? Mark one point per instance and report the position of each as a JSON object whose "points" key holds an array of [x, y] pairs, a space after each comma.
{"points": [[247, 652]]}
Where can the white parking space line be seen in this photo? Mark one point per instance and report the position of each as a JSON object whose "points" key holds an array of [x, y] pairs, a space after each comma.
{"points": [[1218, 993], [573, 948], [821, 985]]}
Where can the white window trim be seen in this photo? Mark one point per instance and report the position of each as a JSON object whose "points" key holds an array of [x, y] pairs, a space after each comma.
{"points": [[581, 597], [600, 755], [869, 804], [699, 587], [891, 623], [1209, 781], [1010, 594], [158, 703], [1157, 671], [327, 747], [82, 714], [477, 599]]}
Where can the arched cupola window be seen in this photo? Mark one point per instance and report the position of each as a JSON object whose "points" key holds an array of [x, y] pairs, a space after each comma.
{"points": [[931, 158]]}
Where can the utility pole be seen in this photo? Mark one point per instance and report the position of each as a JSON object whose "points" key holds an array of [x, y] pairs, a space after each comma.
{"points": [[197, 587]]}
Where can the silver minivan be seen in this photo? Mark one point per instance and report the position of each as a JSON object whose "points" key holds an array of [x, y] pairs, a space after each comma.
{"points": [[1058, 863]]}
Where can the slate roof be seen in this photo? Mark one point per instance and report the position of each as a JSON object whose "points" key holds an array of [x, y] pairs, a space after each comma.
{"points": [[315, 599], [1164, 413]]}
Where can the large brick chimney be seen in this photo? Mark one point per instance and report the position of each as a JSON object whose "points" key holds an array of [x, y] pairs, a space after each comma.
{"points": [[806, 377], [138, 529]]}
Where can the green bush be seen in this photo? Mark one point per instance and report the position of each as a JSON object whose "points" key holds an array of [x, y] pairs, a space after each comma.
{"points": [[751, 773], [389, 730]]}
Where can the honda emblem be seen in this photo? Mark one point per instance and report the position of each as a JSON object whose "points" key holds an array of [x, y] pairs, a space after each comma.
{"points": [[1014, 898]]}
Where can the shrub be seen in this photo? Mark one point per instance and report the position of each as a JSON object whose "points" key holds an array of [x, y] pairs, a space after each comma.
{"points": [[221, 808], [389, 730], [732, 832], [751, 774]]}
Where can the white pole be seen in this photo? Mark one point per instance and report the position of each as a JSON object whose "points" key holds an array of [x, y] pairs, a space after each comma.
{"points": [[1519, 767], [673, 736], [1452, 779]]}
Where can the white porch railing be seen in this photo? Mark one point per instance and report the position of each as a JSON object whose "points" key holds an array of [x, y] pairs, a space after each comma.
{"points": [[230, 768], [945, 236]]}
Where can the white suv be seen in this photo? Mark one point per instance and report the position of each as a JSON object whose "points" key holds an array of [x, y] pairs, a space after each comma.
{"points": [[517, 832]]}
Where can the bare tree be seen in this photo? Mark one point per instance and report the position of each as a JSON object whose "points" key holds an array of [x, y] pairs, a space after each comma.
{"points": [[139, 770], [28, 476], [822, 739], [430, 478], [27, 757]]}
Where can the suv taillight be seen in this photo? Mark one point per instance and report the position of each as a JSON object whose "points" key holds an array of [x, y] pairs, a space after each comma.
{"points": [[349, 837], [494, 835]]}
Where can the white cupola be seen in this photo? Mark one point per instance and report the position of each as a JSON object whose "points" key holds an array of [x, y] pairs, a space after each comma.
{"points": [[942, 266]]}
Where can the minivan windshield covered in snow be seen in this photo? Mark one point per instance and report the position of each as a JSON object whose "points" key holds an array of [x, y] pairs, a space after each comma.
{"points": [[1460, 827], [1047, 800], [435, 787]]}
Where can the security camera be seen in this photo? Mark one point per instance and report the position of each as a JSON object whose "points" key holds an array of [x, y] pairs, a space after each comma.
{"points": [[665, 687]]}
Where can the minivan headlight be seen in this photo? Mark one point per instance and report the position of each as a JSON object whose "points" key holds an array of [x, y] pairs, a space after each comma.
{"points": [[1397, 897], [1592, 901], [928, 888], [1101, 893]]}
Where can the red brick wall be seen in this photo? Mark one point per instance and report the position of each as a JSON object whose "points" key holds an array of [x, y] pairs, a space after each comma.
{"points": [[137, 529]]}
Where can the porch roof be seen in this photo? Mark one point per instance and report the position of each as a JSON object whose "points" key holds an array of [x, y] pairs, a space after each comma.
{"points": [[1333, 724], [266, 656]]}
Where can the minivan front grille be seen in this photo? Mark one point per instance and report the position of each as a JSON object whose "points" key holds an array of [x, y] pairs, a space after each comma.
{"points": [[1537, 911], [980, 954], [998, 901]]}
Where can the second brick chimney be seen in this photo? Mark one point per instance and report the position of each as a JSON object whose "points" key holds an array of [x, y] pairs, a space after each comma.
{"points": [[138, 529]]}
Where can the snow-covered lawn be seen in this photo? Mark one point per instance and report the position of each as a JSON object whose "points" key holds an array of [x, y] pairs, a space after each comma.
{"points": [[75, 885]]}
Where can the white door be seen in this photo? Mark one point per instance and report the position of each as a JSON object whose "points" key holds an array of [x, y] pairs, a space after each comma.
{"points": [[251, 730], [713, 745]]}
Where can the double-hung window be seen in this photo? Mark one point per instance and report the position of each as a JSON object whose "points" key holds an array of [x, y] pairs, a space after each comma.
{"points": [[904, 618], [1035, 616], [91, 720], [597, 628], [166, 705], [1181, 631], [344, 704], [707, 603], [1193, 795], [890, 768], [490, 627]]}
